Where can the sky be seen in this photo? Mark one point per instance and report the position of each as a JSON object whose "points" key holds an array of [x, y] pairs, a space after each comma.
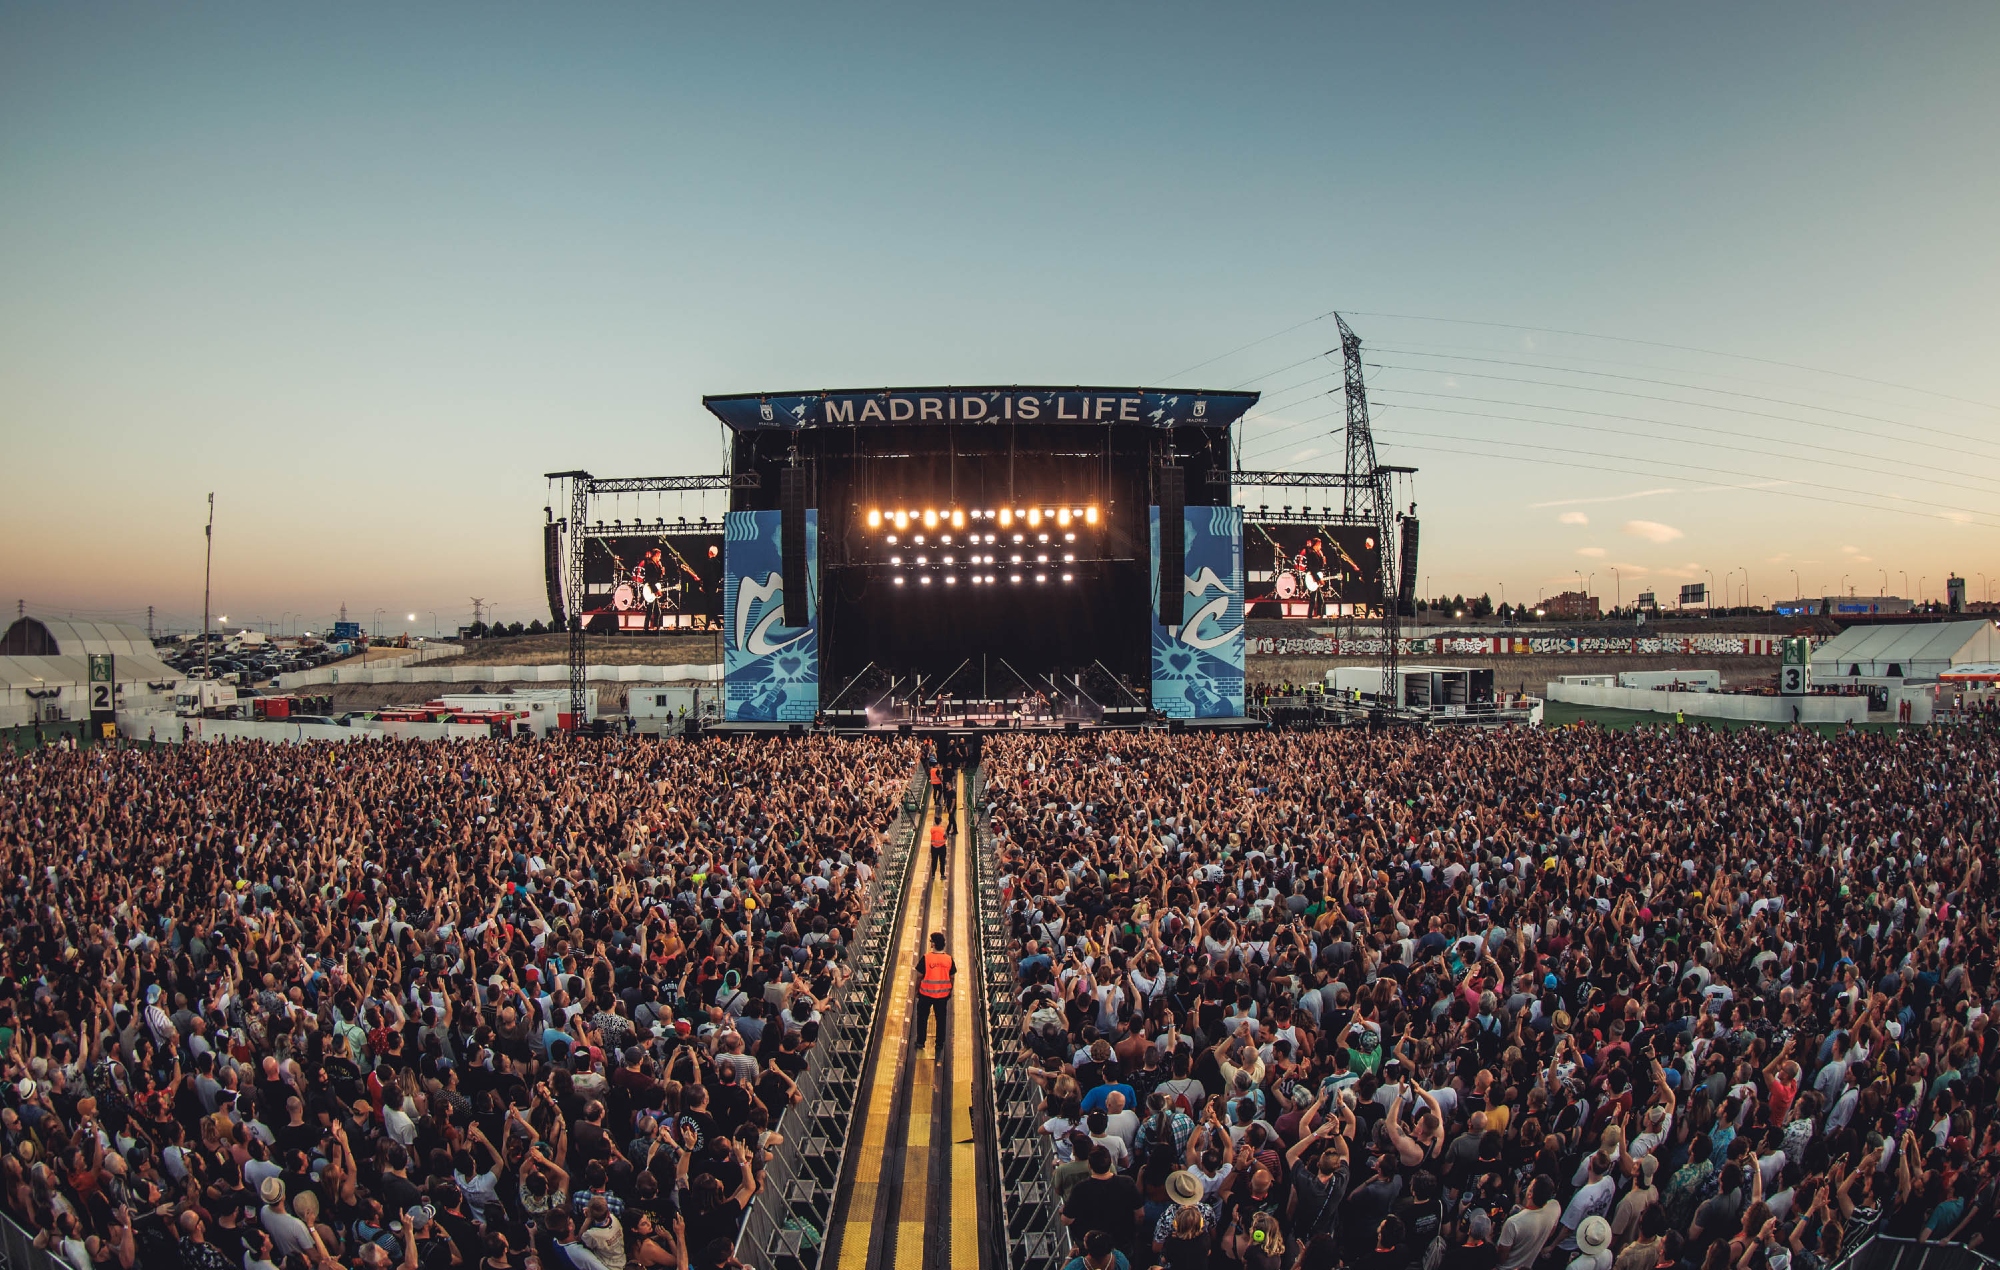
{"points": [[1650, 294]]}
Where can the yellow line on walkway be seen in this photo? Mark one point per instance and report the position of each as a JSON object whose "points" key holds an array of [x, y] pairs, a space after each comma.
{"points": [[964, 1041], [858, 1228], [911, 1205]]}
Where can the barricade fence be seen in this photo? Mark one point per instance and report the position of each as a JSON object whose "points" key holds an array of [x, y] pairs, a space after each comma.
{"points": [[787, 1222], [1024, 1173]]}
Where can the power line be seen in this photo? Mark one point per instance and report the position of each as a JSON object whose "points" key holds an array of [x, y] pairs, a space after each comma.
{"points": [[1683, 348], [1252, 344], [1705, 475], [1663, 423], [1667, 383], [1482, 352]]}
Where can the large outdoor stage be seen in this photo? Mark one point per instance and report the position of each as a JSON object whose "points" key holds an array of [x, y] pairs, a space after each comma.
{"points": [[986, 557], [982, 557]]}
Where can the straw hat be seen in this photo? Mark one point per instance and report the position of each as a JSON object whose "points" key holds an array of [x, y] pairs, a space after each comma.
{"points": [[1183, 1187], [1594, 1235]]}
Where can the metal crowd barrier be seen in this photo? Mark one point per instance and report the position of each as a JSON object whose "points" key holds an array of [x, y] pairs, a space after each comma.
{"points": [[18, 1251], [1031, 1213], [787, 1222], [1889, 1252]]}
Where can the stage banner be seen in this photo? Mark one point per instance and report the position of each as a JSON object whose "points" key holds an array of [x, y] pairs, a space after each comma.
{"points": [[770, 673], [1198, 665]]}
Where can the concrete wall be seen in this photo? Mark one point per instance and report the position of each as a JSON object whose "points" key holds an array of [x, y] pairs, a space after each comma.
{"points": [[167, 727], [1713, 705], [431, 672]]}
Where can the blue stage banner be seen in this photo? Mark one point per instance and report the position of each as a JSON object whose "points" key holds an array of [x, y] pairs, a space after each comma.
{"points": [[1146, 407], [770, 673], [1198, 665]]}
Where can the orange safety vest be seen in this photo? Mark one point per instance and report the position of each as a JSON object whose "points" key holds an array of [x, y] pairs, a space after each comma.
{"points": [[937, 975], [937, 837]]}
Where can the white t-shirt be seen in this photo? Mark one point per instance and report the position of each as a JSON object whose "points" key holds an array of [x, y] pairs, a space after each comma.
{"points": [[1593, 1199], [1523, 1235]]}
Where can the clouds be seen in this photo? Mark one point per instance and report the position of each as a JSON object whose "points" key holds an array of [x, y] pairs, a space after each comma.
{"points": [[1652, 531], [1573, 518], [1595, 553]]}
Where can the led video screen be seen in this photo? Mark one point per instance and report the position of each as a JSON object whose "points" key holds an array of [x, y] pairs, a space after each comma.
{"points": [[653, 580], [1310, 570]]}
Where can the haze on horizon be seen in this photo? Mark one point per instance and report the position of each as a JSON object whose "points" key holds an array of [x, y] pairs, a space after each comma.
{"points": [[367, 272]]}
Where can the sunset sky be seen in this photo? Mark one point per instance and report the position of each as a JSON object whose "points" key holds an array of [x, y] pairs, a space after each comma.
{"points": [[1680, 292]]}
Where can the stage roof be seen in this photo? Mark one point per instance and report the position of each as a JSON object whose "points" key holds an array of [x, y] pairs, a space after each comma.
{"points": [[1018, 404]]}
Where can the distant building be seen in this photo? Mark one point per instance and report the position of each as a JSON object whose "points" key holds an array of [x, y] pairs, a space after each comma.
{"points": [[1861, 655], [1572, 606], [45, 663]]}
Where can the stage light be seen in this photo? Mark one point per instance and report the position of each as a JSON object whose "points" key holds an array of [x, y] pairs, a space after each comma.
{"points": [[902, 520], [874, 518], [1017, 577], [1068, 558], [1042, 559], [930, 518], [899, 582], [1090, 515], [1042, 538], [1065, 577], [989, 540], [1017, 538], [926, 579], [1069, 537], [923, 560], [1016, 558], [945, 538], [1041, 577], [958, 520], [918, 539], [947, 559], [892, 540], [1006, 518], [1062, 517], [950, 578], [895, 560], [1034, 517]]}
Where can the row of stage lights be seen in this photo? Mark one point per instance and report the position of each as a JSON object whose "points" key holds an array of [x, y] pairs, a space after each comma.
{"points": [[641, 526], [986, 579], [958, 517]]}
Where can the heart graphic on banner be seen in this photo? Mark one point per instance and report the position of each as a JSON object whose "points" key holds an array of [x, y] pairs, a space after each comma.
{"points": [[1180, 661], [790, 665]]}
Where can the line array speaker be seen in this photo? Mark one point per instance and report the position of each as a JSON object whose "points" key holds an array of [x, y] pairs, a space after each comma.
{"points": [[1406, 554], [552, 568], [1173, 586], [792, 543]]}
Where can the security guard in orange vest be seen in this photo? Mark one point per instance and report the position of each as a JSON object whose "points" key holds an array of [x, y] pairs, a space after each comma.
{"points": [[934, 990], [937, 848]]}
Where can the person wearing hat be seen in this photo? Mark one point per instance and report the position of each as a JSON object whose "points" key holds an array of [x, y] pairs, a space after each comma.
{"points": [[1183, 1192], [288, 1234], [1593, 1245]]}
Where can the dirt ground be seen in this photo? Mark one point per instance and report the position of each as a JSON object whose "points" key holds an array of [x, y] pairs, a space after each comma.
{"points": [[695, 647], [1528, 672]]}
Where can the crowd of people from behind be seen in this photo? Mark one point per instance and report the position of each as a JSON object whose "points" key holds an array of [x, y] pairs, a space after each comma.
{"points": [[427, 1005], [1672, 998]]}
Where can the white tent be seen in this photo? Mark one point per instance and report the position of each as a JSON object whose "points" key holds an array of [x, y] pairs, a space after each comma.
{"points": [[45, 662], [1904, 651]]}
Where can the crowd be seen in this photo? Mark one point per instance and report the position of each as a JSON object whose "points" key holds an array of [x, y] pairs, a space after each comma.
{"points": [[422, 1005], [1667, 999]]}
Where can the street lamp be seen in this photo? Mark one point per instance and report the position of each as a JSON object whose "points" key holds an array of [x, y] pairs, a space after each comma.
{"points": [[1885, 582], [1746, 585], [1920, 588], [1843, 585], [1797, 589], [434, 624], [1906, 580], [1711, 589], [376, 622], [1617, 591]]}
